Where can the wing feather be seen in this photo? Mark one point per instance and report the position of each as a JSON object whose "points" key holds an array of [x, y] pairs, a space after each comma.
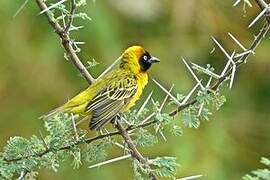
{"points": [[111, 100]]}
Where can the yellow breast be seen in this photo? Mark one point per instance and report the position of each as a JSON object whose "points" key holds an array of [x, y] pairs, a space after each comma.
{"points": [[142, 80]]}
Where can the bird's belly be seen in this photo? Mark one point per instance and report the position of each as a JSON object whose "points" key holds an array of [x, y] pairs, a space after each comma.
{"points": [[135, 97]]}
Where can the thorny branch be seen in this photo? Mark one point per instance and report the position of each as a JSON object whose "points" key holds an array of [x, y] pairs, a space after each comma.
{"points": [[134, 151], [124, 132], [66, 42], [72, 12]]}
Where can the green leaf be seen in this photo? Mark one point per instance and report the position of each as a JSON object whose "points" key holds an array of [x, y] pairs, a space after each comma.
{"points": [[163, 118], [96, 152], [265, 161], [259, 174], [140, 173], [190, 119], [92, 63], [165, 166], [144, 138], [177, 130], [76, 163]]}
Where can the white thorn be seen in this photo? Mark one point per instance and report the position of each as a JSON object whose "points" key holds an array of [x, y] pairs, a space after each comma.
{"points": [[126, 121], [147, 118], [189, 94], [74, 126], [222, 49], [162, 135], [201, 108], [193, 74], [244, 53], [157, 128], [110, 161], [144, 104], [20, 9], [209, 82], [167, 92], [119, 145], [109, 68], [258, 17], [237, 42], [230, 61], [236, 2], [165, 99], [190, 177], [52, 6], [232, 76], [206, 71]]}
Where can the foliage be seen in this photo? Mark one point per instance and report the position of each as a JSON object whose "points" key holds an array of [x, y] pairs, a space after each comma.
{"points": [[263, 174], [42, 152], [162, 166], [64, 141]]}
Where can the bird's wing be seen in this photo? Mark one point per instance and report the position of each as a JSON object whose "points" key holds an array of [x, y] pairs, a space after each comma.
{"points": [[111, 100]]}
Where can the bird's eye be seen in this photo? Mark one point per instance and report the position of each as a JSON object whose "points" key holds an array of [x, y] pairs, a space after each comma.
{"points": [[145, 57]]}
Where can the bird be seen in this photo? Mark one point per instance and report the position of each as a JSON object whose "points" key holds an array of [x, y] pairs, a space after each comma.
{"points": [[114, 93]]}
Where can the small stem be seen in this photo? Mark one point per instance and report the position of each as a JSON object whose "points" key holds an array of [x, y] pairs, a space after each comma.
{"points": [[72, 12], [134, 151], [66, 42]]}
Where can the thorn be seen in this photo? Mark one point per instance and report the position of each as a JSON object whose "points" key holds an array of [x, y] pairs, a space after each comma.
{"points": [[165, 99], [147, 118], [110, 161], [167, 92], [109, 68], [237, 42], [144, 104], [220, 46], [189, 94], [206, 71], [236, 3], [20, 9], [191, 177], [193, 74], [258, 17], [52, 6], [232, 76], [227, 65], [209, 82], [201, 108]]}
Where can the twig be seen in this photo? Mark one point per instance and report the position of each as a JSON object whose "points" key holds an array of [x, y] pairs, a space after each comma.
{"points": [[264, 30], [121, 130], [262, 4], [134, 151], [66, 42], [72, 12]]}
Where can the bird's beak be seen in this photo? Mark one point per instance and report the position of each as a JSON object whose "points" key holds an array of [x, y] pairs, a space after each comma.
{"points": [[153, 60]]}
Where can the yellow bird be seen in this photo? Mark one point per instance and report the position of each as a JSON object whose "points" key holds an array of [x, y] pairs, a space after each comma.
{"points": [[115, 92]]}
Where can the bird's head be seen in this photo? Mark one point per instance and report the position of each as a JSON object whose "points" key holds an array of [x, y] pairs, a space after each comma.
{"points": [[137, 59]]}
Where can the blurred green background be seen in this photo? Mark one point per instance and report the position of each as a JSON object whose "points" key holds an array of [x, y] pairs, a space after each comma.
{"points": [[35, 78]]}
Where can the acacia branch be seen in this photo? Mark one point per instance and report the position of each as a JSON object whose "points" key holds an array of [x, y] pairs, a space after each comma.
{"points": [[66, 41], [72, 12], [261, 3], [259, 37], [134, 151], [63, 34], [76, 61]]}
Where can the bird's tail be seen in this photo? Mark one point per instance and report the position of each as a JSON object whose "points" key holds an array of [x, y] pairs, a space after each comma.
{"points": [[52, 113]]}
